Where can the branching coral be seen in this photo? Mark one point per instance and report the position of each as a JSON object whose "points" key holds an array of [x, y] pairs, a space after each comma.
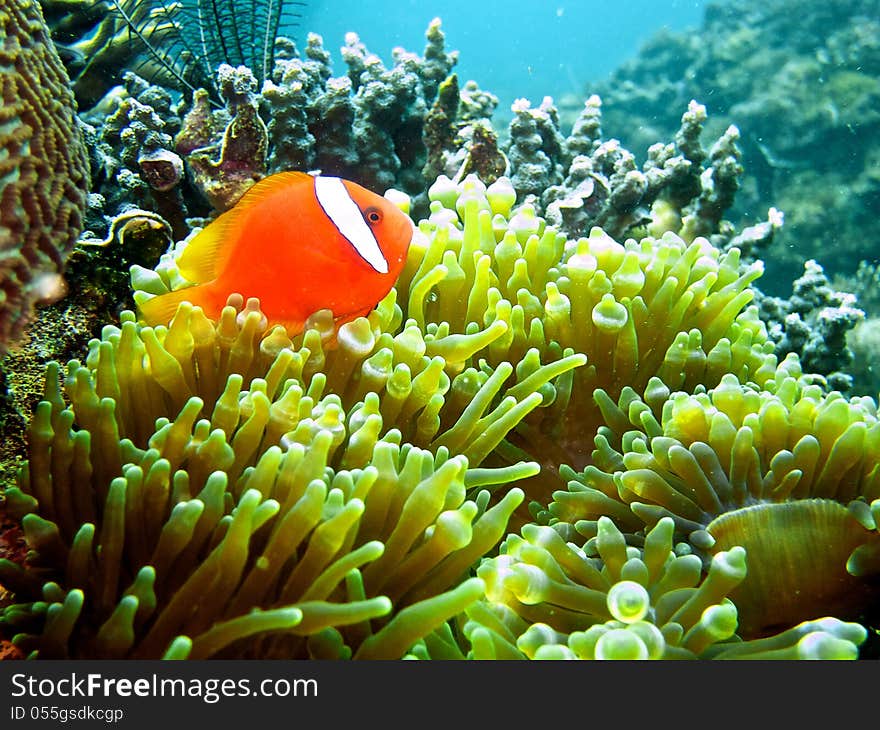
{"points": [[367, 124], [44, 175], [134, 168], [536, 147], [790, 473], [814, 323], [134, 162], [551, 599], [154, 536], [581, 181], [403, 124], [799, 79]]}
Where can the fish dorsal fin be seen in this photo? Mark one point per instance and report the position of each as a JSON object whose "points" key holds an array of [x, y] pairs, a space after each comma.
{"points": [[206, 255]]}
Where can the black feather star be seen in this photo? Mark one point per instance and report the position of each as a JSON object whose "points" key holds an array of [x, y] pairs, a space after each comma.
{"points": [[185, 40]]}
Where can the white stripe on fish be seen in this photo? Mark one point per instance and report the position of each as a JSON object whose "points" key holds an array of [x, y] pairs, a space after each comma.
{"points": [[344, 213]]}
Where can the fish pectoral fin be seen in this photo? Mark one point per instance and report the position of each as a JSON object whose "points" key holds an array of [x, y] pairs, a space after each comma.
{"points": [[161, 309]]}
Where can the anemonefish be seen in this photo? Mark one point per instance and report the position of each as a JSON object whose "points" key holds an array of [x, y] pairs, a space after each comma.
{"points": [[300, 243]]}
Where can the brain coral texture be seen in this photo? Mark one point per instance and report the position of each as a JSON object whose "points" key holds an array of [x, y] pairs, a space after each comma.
{"points": [[43, 166]]}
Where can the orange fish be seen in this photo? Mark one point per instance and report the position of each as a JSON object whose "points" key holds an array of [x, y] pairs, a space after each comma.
{"points": [[299, 243]]}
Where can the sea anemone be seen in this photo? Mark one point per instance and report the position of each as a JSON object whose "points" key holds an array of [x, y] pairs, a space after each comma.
{"points": [[635, 310], [601, 599], [204, 487], [789, 472]]}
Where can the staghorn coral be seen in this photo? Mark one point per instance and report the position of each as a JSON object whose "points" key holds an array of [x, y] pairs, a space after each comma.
{"points": [[789, 472], [44, 168], [375, 125], [348, 537]]}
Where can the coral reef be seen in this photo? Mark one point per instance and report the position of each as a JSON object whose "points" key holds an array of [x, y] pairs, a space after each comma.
{"points": [[179, 44], [45, 175], [574, 357], [801, 80], [366, 125], [402, 126], [814, 323], [240, 154]]}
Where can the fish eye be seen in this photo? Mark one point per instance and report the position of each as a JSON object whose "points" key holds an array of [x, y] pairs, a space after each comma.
{"points": [[373, 215]]}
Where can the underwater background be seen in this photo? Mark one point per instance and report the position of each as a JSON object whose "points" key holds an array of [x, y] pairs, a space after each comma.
{"points": [[520, 49], [617, 401]]}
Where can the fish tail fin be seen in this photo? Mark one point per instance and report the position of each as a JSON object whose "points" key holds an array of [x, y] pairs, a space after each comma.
{"points": [[161, 309]]}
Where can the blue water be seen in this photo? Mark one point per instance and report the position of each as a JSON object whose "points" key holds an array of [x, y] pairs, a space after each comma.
{"points": [[518, 48]]}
